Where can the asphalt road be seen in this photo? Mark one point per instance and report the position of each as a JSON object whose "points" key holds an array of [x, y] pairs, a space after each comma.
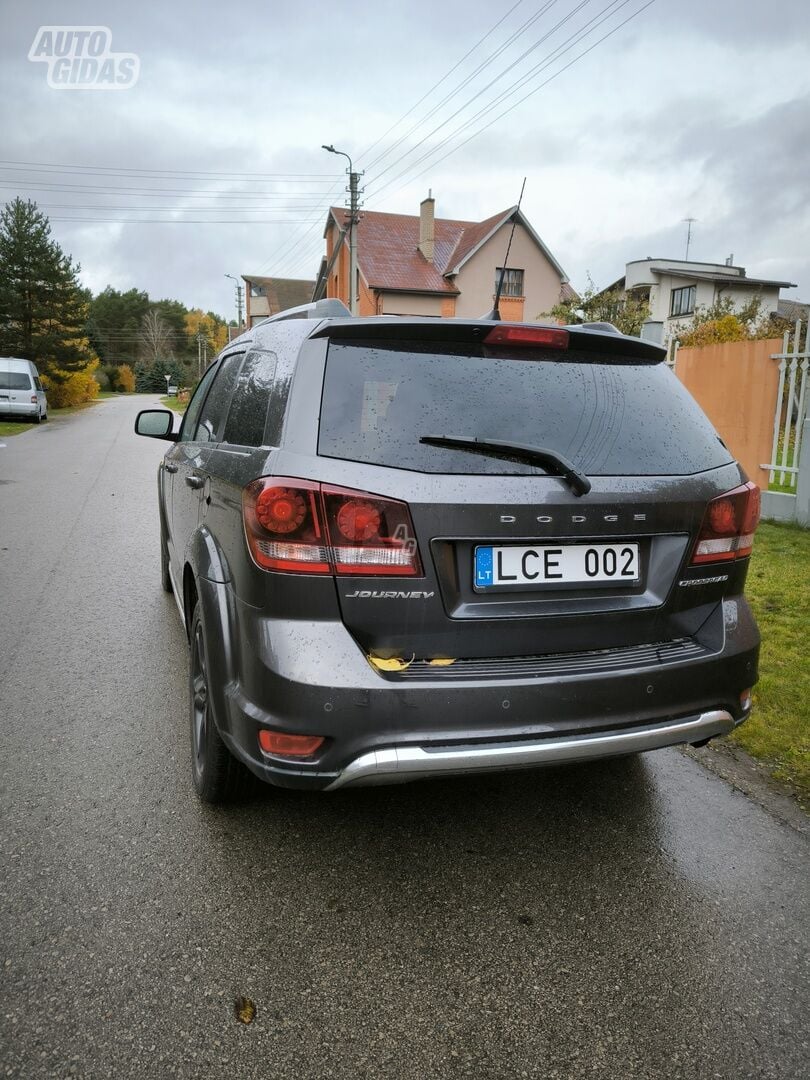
{"points": [[633, 919]]}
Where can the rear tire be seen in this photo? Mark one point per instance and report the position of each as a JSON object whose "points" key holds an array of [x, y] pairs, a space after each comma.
{"points": [[38, 417], [218, 777]]}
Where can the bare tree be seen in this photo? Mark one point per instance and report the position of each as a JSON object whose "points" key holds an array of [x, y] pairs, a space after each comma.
{"points": [[155, 338]]}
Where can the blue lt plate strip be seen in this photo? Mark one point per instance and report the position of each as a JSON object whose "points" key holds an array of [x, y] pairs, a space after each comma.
{"points": [[483, 567]]}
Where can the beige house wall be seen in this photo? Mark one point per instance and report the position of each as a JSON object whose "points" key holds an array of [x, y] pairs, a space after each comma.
{"points": [[736, 385], [257, 307], [476, 280], [411, 304]]}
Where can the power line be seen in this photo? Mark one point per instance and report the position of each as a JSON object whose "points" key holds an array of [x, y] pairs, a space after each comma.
{"points": [[447, 75], [178, 221], [515, 105], [186, 193], [174, 209], [548, 58], [114, 170], [282, 250]]}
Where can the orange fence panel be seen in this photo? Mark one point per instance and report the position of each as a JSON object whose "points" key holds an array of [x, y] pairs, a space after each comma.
{"points": [[736, 385]]}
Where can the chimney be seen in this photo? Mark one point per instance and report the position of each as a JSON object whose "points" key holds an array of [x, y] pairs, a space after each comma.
{"points": [[426, 228]]}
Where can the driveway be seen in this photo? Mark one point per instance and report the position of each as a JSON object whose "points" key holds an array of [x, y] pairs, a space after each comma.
{"points": [[633, 919]]}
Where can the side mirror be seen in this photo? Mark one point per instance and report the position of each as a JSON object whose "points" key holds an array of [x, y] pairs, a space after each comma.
{"points": [[155, 424]]}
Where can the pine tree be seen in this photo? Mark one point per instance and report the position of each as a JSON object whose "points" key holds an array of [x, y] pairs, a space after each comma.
{"points": [[43, 308]]}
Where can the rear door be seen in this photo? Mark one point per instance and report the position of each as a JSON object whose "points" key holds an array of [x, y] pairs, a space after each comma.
{"points": [[16, 392], [517, 562], [199, 436]]}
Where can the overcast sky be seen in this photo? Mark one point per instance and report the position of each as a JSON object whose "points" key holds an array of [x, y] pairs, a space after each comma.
{"points": [[694, 108]]}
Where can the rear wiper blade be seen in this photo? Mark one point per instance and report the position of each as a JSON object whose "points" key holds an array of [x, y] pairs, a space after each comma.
{"points": [[550, 460]]}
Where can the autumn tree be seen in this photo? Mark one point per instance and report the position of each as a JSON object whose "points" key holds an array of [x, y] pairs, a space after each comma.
{"points": [[213, 329], [725, 321], [625, 311], [155, 337], [43, 308]]}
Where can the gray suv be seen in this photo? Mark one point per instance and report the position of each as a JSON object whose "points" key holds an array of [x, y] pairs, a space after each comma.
{"points": [[406, 548]]}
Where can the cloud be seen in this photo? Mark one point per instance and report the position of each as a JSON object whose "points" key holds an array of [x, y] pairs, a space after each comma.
{"points": [[693, 109]]}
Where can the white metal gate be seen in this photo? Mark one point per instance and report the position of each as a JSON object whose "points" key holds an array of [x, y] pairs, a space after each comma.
{"points": [[792, 403]]}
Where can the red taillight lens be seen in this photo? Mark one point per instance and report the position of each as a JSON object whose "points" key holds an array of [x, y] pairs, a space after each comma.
{"points": [[282, 745], [369, 534], [283, 525], [281, 510], [305, 527], [547, 336], [728, 528], [358, 520]]}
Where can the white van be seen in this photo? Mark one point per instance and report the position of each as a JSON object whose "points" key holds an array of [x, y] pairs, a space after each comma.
{"points": [[21, 392]]}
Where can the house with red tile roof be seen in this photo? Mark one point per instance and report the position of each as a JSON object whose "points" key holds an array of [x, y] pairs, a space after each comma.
{"points": [[423, 265], [269, 295]]}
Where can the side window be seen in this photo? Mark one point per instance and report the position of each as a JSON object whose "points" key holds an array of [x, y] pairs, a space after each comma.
{"points": [[247, 416], [37, 384], [215, 408], [195, 405]]}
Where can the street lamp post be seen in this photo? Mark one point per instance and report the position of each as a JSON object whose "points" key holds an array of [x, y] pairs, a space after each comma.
{"points": [[238, 300], [353, 207]]}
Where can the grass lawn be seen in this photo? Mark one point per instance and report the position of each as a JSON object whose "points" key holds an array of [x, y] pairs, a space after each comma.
{"points": [[173, 403], [778, 588], [17, 427], [14, 427]]}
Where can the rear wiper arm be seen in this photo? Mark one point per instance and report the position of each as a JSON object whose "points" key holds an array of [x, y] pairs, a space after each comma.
{"points": [[550, 460]]}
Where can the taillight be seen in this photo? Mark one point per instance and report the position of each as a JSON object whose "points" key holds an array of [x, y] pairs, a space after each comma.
{"points": [[306, 527], [33, 399], [548, 336], [283, 525], [729, 525]]}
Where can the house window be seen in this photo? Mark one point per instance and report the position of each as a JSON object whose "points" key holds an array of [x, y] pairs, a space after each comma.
{"points": [[512, 282], [683, 301], [257, 290]]}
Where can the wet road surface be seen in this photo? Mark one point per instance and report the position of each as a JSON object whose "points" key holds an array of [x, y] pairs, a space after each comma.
{"points": [[631, 919]]}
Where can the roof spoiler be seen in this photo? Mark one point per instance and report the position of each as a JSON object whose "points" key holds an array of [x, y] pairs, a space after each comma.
{"points": [[321, 309]]}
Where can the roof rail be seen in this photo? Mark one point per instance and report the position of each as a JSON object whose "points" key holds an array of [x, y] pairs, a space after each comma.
{"points": [[321, 309]]}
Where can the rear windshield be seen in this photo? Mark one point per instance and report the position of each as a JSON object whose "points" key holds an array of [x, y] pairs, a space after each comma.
{"points": [[611, 416], [14, 380]]}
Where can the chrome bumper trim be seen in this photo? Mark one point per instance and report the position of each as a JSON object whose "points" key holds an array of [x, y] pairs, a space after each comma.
{"points": [[398, 764]]}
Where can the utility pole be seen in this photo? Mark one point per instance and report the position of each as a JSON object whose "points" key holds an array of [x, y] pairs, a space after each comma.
{"points": [[199, 355], [238, 300], [689, 222], [354, 218]]}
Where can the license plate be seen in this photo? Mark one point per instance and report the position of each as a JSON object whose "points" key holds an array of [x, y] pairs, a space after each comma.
{"points": [[561, 564]]}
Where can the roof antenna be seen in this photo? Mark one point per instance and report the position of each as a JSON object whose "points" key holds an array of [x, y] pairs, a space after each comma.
{"points": [[495, 314]]}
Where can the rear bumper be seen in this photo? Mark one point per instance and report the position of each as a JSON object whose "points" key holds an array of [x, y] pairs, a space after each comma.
{"points": [[399, 764], [18, 408], [310, 678]]}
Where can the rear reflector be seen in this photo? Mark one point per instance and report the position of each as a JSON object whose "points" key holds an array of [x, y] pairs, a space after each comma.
{"points": [[282, 745], [548, 337], [729, 525], [300, 526]]}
